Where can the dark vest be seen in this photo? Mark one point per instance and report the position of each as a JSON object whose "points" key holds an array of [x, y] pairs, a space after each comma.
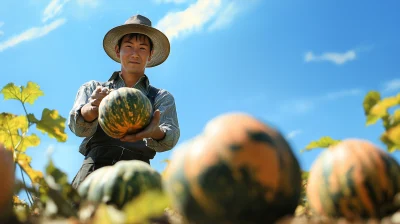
{"points": [[101, 148]]}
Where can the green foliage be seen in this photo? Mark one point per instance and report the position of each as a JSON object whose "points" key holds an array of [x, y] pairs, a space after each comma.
{"points": [[24, 94], [14, 136], [51, 123], [323, 142], [376, 109], [50, 195]]}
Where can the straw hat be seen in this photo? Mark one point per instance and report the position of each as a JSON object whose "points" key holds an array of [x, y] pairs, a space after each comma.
{"points": [[138, 24]]}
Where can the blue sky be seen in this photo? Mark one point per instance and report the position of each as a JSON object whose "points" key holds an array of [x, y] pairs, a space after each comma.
{"points": [[302, 66]]}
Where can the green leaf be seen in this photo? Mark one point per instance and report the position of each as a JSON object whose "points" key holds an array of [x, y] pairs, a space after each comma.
{"points": [[13, 122], [23, 157], [24, 162], [370, 100], [10, 125], [28, 141], [28, 94], [391, 147], [323, 142], [104, 214], [381, 108], [59, 191], [394, 135], [147, 206], [58, 176], [53, 124], [32, 118], [395, 118]]}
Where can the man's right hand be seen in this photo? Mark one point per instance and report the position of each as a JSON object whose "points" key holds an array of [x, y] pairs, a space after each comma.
{"points": [[90, 111]]}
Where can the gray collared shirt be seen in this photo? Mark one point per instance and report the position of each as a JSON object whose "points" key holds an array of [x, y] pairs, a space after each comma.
{"points": [[164, 101]]}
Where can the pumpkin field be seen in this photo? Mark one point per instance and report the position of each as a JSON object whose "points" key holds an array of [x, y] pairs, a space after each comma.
{"points": [[237, 170]]}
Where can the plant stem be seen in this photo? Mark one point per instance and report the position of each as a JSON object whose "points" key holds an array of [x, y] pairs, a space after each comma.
{"points": [[27, 193]]}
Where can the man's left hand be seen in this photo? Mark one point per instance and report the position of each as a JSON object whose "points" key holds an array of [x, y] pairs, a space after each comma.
{"points": [[152, 130]]}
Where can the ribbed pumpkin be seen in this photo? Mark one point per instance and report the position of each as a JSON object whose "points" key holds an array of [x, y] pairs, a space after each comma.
{"points": [[353, 179], [239, 170], [120, 183], [7, 181], [125, 110]]}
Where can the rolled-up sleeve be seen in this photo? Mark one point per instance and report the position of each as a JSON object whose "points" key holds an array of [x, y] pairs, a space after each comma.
{"points": [[76, 123], [165, 102]]}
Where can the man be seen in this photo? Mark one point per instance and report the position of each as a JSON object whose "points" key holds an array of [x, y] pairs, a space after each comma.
{"points": [[135, 45]]}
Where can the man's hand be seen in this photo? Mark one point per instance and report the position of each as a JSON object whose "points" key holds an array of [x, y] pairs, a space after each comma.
{"points": [[152, 130], [90, 111]]}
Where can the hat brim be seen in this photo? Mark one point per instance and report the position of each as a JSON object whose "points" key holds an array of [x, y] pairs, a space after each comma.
{"points": [[161, 45]]}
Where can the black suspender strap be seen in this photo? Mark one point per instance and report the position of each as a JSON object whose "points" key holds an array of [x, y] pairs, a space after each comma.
{"points": [[152, 94]]}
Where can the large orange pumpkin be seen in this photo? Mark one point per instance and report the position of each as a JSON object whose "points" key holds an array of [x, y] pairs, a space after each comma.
{"points": [[354, 179], [7, 181], [239, 170]]}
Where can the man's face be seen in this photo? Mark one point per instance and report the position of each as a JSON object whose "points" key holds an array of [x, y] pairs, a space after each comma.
{"points": [[134, 53]]}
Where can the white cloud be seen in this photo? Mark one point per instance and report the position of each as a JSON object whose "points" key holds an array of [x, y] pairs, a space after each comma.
{"points": [[215, 14], [294, 133], [30, 34], [170, 1], [225, 17], [1, 24], [297, 106], [337, 58], [53, 9], [301, 106], [91, 3], [392, 85], [175, 24], [341, 94]]}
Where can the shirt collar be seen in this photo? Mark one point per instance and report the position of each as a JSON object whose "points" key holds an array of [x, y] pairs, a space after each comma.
{"points": [[144, 80]]}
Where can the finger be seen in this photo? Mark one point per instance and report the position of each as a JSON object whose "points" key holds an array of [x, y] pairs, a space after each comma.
{"points": [[131, 138], [98, 89], [104, 90], [156, 116]]}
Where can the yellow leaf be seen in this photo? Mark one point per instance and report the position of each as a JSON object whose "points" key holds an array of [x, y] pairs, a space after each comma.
{"points": [[103, 215], [53, 124], [29, 141], [391, 147], [28, 94], [18, 201], [10, 136], [394, 134], [323, 142], [10, 122], [372, 119], [149, 205], [395, 118], [370, 100], [34, 175], [167, 161], [23, 158], [381, 108]]}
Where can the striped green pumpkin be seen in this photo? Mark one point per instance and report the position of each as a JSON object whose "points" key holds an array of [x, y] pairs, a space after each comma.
{"points": [[120, 183], [354, 179], [125, 110], [237, 171]]}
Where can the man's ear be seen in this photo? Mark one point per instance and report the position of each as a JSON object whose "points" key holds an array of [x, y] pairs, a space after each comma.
{"points": [[117, 52], [151, 55]]}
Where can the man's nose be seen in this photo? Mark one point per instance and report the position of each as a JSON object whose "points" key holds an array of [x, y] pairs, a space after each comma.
{"points": [[134, 52]]}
